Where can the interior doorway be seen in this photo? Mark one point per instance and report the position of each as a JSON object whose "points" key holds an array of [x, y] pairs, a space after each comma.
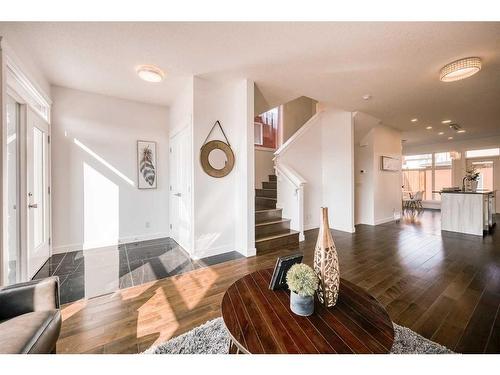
{"points": [[11, 259], [27, 216], [38, 191], [180, 188]]}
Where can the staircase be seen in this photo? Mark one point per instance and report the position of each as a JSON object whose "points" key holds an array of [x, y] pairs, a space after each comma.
{"points": [[272, 231]]}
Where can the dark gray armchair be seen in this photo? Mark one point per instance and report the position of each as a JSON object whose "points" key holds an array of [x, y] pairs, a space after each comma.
{"points": [[30, 319]]}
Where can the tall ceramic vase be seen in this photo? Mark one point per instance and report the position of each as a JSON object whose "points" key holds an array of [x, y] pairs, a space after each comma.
{"points": [[326, 263]]}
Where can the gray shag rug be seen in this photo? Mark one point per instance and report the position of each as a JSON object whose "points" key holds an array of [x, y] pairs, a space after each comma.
{"points": [[213, 338]]}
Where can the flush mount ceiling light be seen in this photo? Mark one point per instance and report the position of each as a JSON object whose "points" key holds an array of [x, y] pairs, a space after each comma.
{"points": [[450, 138], [429, 127], [414, 120], [440, 133], [460, 69], [367, 97], [461, 131], [445, 121], [150, 73]]}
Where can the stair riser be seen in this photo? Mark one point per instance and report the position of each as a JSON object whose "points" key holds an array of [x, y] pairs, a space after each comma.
{"points": [[272, 177], [276, 228], [268, 216], [266, 193], [269, 185], [268, 203], [287, 242]]}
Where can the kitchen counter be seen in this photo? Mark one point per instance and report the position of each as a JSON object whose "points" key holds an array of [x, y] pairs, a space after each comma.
{"points": [[466, 192], [467, 212]]}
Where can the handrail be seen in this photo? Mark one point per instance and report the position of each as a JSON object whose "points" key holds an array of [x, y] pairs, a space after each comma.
{"points": [[290, 174], [303, 129], [296, 210]]}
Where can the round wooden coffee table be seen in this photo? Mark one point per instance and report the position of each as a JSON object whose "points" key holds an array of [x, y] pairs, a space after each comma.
{"points": [[259, 320]]}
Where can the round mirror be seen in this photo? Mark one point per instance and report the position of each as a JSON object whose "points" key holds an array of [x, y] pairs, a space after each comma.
{"points": [[217, 158]]}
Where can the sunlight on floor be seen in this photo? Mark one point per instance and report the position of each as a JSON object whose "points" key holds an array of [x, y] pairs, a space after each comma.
{"points": [[203, 281], [72, 309], [157, 309]]}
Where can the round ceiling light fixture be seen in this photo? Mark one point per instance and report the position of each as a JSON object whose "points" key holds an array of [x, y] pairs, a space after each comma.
{"points": [[429, 127], [446, 122], [460, 69], [414, 120], [367, 97], [150, 73]]}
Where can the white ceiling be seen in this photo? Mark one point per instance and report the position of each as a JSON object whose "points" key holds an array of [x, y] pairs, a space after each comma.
{"points": [[397, 63]]}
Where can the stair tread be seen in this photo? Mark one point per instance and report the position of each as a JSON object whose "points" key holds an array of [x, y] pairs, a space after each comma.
{"points": [[268, 237], [267, 189], [274, 199], [272, 221], [259, 210]]}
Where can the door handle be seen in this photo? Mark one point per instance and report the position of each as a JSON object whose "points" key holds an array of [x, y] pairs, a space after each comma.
{"points": [[34, 205], [178, 194]]}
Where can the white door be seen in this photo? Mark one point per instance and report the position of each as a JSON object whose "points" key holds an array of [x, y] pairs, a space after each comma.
{"points": [[180, 190], [37, 187]]}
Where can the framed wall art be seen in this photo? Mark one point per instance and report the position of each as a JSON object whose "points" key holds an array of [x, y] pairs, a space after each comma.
{"points": [[390, 164], [147, 171]]}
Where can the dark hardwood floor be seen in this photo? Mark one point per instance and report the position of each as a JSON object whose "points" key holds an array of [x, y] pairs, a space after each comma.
{"points": [[443, 286]]}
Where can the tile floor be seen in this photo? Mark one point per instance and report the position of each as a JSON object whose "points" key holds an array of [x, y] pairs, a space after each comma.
{"points": [[87, 274]]}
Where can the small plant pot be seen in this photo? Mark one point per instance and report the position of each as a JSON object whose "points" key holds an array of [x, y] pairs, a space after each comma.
{"points": [[303, 306]]}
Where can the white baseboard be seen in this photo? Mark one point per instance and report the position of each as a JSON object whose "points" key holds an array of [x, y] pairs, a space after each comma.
{"points": [[97, 245], [384, 220], [200, 254], [310, 226], [249, 253], [342, 229]]}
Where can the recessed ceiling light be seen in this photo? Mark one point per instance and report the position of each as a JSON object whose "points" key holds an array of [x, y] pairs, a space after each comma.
{"points": [[440, 133], [429, 127], [150, 73], [445, 121], [450, 137], [461, 131], [460, 69], [367, 97], [414, 120]]}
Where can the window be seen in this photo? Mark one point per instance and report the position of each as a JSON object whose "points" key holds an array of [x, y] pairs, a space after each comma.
{"points": [[485, 169], [266, 128], [427, 173], [482, 153]]}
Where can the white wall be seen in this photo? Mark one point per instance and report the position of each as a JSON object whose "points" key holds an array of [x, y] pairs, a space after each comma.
{"points": [[223, 207], [387, 194], [378, 192], [264, 165], [181, 110], [95, 198], [20, 55], [459, 166], [337, 140], [296, 113], [322, 153]]}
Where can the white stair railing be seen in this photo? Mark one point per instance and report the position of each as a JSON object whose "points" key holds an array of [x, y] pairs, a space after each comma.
{"points": [[291, 196]]}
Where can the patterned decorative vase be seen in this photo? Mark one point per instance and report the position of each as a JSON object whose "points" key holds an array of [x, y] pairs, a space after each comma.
{"points": [[326, 263]]}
